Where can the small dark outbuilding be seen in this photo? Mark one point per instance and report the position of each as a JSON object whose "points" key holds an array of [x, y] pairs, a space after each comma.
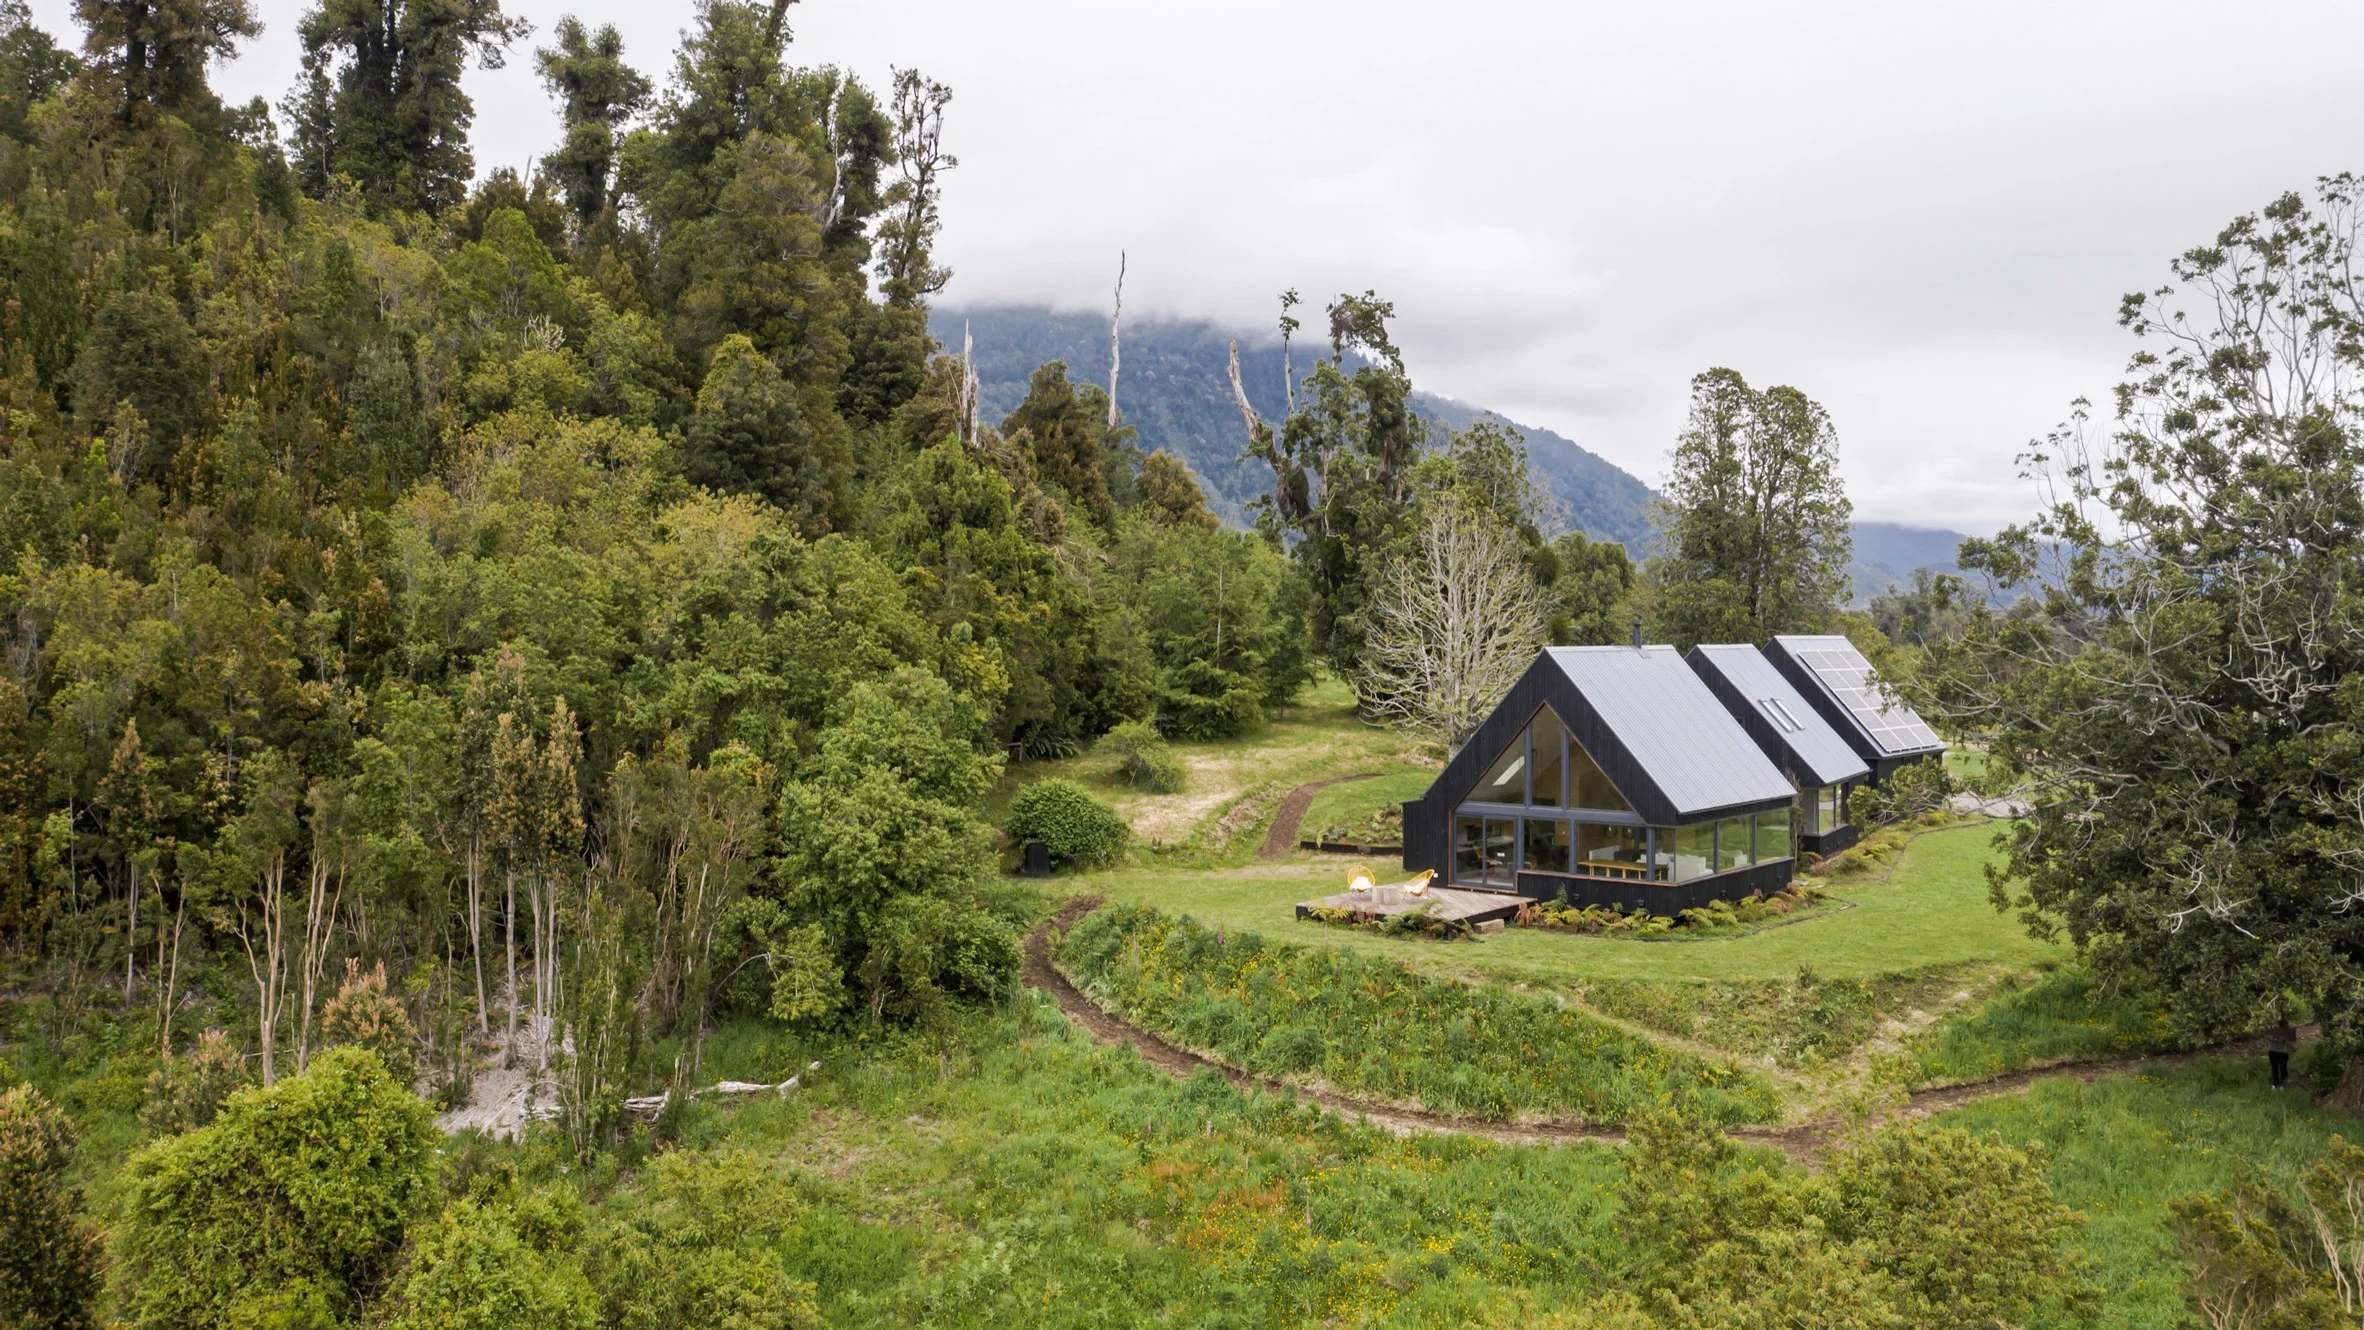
{"points": [[1835, 678], [1788, 730], [1608, 776]]}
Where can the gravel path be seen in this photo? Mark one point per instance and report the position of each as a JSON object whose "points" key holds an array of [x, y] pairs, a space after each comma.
{"points": [[1804, 1143]]}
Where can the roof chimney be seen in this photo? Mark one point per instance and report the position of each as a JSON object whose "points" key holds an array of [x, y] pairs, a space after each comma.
{"points": [[1637, 634]]}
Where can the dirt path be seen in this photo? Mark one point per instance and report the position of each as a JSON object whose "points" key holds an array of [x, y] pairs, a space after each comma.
{"points": [[1803, 1143], [1282, 837]]}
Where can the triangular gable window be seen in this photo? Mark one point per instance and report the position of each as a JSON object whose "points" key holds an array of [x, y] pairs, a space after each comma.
{"points": [[1545, 767]]}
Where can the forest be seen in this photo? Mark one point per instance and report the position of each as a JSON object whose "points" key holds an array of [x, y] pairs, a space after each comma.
{"points": [[574, 639]]}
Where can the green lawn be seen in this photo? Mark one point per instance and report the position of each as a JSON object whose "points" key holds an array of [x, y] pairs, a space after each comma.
{"points": [[1317, 737], [2123, 1146], [1933, 911], [1355, 802]]}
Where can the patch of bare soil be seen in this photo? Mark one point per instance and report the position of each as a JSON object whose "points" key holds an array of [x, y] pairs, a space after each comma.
{"points": [[1803, 1143], [1282, 836]]}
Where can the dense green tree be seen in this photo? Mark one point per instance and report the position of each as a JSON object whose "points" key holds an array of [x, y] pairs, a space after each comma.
{"points": [[1590, 588], [1170, 495], [381, 102], [303, 1188], [1064, 430], [883, 848], [597, 92], [2180, 704], [1756, 528], [152, 54], [749, 435], [32, 67], [1342, 467], [49, 1253], [699, 1243], [498, 1263], [141, 380]]}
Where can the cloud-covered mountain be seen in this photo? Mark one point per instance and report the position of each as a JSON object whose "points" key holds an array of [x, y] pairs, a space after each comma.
{"points": [[1176, 392]]}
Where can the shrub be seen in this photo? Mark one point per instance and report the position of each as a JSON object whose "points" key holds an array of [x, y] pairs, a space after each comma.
{"points": [[1419, 921], [482, 1266], [701, 1246], [806, 985], [1918, 1227], [187, 1092], [1372, 1026], [2255, 1256], [1077, 828], [308, 1181], [1143, 757], [49, 1255], [1914, 790], [364, 1015]]}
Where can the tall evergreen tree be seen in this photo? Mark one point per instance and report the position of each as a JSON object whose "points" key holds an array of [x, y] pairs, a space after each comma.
{"points": [[907, 237], [1757, 535], [1342, 470], [152, 54], [381, 101], [31, 66], [597, 92]]}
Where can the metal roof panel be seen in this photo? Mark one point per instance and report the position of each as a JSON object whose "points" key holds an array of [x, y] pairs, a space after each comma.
{"points": [[1668, 721], [1818, 752]]}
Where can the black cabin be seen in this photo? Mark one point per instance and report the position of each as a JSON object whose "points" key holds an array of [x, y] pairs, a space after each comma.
{"points": [[1608, 776], [1793, 735]]}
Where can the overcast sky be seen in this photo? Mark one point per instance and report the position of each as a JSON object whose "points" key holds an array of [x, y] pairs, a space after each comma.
{"points": [[1922, 218]]}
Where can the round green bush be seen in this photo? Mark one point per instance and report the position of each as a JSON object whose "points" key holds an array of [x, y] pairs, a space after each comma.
{"points": [[1078, 828], [1143, 758]]}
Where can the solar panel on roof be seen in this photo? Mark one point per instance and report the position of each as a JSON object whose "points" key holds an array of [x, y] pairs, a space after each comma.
{"points": [[1891, 724]]}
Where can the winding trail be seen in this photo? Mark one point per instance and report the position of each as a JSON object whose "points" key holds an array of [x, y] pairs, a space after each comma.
{"points": [[1803, 1143], [1281, 837]]}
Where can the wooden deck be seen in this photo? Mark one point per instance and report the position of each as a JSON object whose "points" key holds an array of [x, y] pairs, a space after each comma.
{"points": [[1475, 907]]}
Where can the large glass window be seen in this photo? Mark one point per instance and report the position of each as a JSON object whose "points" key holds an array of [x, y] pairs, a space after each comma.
{"points": [[1732, 844], [1482, 849], [1544, 845], [1469, 849], [1773, 835], [1506, 781], [1589, 787], [1620, 852], [1831, 812], [1501, 844], [1694, 851], [1544, 736]]}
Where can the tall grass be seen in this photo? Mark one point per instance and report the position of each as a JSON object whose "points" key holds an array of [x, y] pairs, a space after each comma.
{"points": [[1372, 1027], [2123, 1146], [1019, 1176], [1798, 1022], [2062, 1017]]}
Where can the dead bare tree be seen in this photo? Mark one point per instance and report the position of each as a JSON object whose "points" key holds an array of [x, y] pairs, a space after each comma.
{"points": [[1454, 625], [1239, 393], [1115, 346]]}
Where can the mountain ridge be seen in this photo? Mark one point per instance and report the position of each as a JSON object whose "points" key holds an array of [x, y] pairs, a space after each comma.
{"points": [[1175, 391]]}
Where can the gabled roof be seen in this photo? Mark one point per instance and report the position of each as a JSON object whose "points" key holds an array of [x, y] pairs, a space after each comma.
{"points": [[1784, 724], [1657, 732], [1836, 678]]}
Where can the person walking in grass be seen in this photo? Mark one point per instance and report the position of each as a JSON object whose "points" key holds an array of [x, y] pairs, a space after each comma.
{"points": [[2281, 1042]]}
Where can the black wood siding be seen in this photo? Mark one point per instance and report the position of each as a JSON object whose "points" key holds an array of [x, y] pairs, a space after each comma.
{"points": [[1428, 821], [1666, 899]]}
